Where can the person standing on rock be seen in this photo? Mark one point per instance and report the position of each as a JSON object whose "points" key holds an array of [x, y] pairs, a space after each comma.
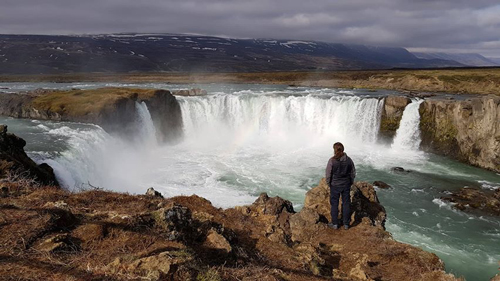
{"points": [[340, 174]]}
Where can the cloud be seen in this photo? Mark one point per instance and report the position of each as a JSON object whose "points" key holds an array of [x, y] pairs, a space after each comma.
{"points": [[417, 24]]}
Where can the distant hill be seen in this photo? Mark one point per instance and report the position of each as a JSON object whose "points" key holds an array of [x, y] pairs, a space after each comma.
{"points": [[469, 59], [495, 60], [31, 54]]}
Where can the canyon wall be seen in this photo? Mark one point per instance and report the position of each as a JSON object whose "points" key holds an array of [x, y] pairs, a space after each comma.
{"points": [[467, 130], [114, 109]]}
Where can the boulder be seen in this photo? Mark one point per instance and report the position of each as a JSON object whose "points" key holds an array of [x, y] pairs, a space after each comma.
{"points": [[475, 199], [272, 205], [216, 241], [152, 192], [305, 222], [381, 184], [14, 161], [175, 220], [400, 170], [155, 267], [274, 212], [364, 203]]}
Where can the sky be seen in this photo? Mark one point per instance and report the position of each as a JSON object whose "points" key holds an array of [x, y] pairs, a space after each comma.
{"points": [[420, 25]]}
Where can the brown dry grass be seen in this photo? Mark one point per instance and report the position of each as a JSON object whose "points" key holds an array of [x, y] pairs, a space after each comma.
{"points": [[466, 80], [105, 225]]}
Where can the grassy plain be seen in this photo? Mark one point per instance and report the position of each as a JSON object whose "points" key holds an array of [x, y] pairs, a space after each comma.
{"points": [[463, 80]]}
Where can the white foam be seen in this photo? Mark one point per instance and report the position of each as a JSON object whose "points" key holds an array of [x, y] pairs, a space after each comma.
{"points": [[489, 185], [443, 204]]}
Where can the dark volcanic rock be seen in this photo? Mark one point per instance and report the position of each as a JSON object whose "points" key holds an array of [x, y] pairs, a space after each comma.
{"points": [[392, 114], [381, 184], [166, 114], [13, 159], [400, 170], [475, 199], [175, 220], [152, 192]]}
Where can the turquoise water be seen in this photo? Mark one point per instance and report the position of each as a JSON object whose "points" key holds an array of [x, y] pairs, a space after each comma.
{"points": [[245, 139]]}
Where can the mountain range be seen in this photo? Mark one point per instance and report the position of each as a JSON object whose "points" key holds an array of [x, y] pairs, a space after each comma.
{"points": [[469, 59], [122, 53]]}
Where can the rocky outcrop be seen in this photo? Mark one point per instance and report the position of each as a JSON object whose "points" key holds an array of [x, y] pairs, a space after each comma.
{"points": [[15, 163], [364, 203], [166, 115], [472, 199], [98, 235], [190, 92], [467, 130], [392, 113], [114, 109], [381, 184]]}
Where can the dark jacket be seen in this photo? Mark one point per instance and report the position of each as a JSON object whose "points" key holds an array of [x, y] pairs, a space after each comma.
{"points": [[340, 173]]}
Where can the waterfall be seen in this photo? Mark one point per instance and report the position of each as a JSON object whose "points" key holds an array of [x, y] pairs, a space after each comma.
{"points": [[147, 130], [347, 118], [96, 158], [408, 134]]}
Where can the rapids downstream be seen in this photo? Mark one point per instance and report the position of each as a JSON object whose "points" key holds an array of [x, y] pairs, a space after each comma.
{"points": [[242, 140]]}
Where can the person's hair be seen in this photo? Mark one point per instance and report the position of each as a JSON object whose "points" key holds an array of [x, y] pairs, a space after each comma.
{"points": [[338, 150]]}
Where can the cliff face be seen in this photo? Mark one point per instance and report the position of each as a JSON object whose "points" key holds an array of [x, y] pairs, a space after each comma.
{"points": [[392, 113], [166, 114], [114, 109], [15, 163], [465, 130]]}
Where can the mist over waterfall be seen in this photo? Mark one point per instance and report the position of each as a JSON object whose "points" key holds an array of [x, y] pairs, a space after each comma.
{"points": [[408, 134]]}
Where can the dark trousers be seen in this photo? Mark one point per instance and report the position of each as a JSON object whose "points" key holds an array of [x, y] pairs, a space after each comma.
{"points": [[335, 194]]}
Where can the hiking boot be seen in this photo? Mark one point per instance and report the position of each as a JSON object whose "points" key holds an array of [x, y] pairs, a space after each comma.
{"points": [[334, 226], [346, 226]]}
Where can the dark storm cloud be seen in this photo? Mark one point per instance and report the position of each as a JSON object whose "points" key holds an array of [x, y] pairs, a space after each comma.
{"points": [[446, 25]]}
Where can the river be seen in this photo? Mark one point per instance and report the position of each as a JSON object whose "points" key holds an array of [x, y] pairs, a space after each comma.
{"points": [[241, 140]]}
